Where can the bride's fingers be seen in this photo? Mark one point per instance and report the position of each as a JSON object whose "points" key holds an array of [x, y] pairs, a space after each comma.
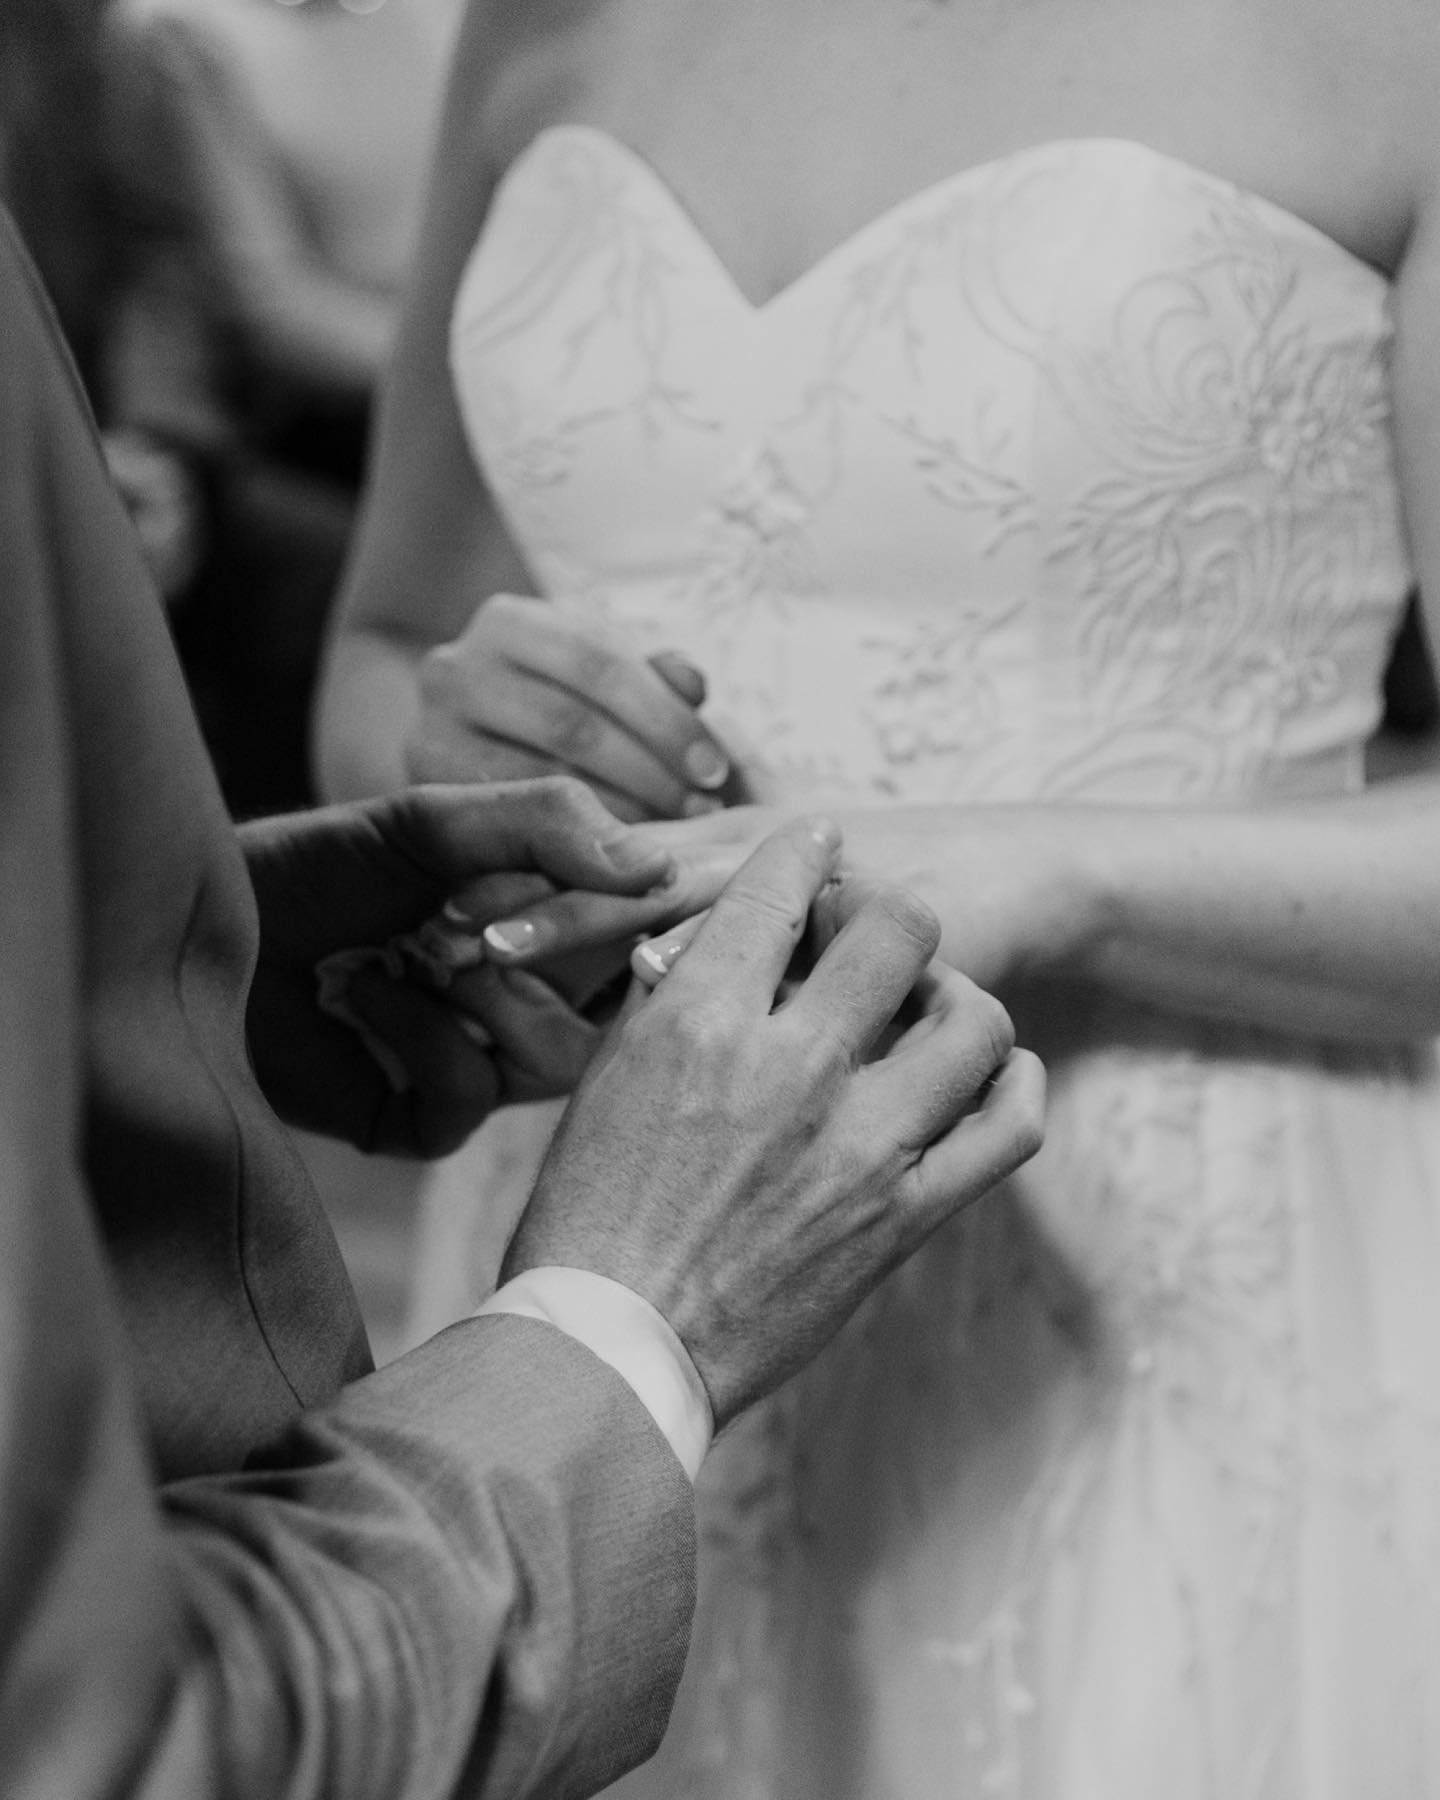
{"points": [[1003, 1129], [950, 1049], [653, 960], [575, 920], [496, 896], [681, 674]]}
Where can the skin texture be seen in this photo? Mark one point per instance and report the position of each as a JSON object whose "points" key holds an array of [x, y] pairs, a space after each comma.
{"points": [[784, 129], [1209, 912], [776, 1145], [775, 1158], [269, 96], [361, 875], [530, 688]]}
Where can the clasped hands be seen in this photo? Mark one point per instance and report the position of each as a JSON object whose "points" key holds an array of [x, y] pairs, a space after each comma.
{"points": [[748, 1152]]}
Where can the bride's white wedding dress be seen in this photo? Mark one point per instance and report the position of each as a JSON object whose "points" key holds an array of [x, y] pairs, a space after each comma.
{"points": [[1069, 479]]}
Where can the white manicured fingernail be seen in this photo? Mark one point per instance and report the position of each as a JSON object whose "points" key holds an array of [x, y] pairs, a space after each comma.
{"points": [[510, 937], [628, 854], [705, 766], [652, 961]]}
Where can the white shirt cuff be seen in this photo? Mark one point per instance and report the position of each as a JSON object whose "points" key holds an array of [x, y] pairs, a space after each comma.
{"points": [[627, 1332]]}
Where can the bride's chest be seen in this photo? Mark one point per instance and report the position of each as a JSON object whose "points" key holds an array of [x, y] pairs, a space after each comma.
{"points": [[786, 125], [1077, 445]]}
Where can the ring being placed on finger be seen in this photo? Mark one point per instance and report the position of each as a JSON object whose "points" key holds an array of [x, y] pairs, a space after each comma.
{"points": [[444, 946]]}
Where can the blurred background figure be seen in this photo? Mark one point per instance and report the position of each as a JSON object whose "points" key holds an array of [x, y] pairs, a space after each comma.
{"points": [[96, 206], [225, 242], [305, 133]]}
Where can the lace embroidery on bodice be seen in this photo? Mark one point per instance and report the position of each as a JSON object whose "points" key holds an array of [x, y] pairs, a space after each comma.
{"points": [[1068, 477]]}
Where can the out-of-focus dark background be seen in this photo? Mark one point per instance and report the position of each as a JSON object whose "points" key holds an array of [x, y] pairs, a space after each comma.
{"points": [[222, 197]]}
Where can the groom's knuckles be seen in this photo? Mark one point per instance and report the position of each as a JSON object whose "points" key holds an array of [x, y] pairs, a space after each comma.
{"points": [[499, 895], [885, 946], [691, 1038], [989, 1024], [865, 973], [970, 1021], [762, 914], [986, 1145], [1014, 1107], [936, 1076], [469, 830], [811, 1062], [556, 807], [553, 822]]}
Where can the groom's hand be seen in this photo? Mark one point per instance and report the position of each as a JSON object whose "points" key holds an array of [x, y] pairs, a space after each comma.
{"points": [[355, 878], [753, 1168]]}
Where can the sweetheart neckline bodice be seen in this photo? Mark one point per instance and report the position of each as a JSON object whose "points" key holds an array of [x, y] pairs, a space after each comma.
{"points": [[928, 193], [1070, 474]]}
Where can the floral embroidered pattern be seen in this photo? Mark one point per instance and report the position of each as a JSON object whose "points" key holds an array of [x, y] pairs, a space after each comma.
{"points": [[1069, 479]]}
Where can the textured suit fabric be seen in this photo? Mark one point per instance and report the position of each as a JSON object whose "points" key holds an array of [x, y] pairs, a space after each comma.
{"points": [[233, 1560]]}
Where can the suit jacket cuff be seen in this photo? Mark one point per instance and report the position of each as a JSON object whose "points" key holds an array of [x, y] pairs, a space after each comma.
{"points": [[626, 1331]]}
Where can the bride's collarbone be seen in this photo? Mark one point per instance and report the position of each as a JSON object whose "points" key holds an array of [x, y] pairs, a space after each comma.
{"points": [[782, 140]]}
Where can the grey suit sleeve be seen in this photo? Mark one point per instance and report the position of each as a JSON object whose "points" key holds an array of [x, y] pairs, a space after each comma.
{"points": [[471, 1573]]}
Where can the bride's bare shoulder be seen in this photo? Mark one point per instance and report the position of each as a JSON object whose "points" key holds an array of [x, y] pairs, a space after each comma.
{"points": [[1380, 67]]}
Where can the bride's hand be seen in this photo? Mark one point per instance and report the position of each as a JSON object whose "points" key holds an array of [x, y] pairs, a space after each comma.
{"points": [[526, 920], [535, 687], [1013, 886]]}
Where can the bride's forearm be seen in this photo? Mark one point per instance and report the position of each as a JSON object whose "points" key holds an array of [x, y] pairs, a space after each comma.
{"points": [[367, 702], [1319, 917]]}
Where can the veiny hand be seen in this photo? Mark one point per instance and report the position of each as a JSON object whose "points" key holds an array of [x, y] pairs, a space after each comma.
{"points": [[358, 876], [536, 687], [752, 1169]]}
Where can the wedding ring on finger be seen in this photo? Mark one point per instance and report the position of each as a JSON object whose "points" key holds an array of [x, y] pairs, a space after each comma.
{"points": [[445, 945]]}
